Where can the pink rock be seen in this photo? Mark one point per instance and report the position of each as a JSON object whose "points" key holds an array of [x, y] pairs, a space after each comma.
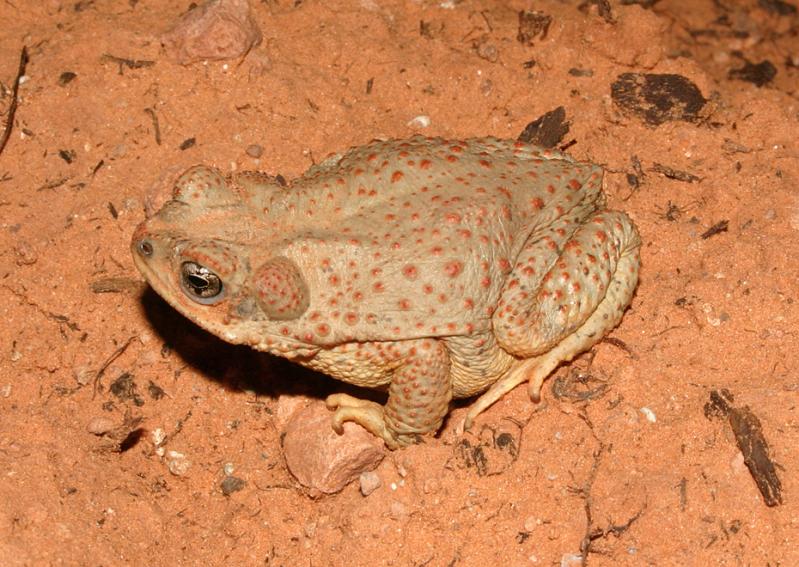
{"points": [[287, 406], [218, 29], [323, 460]]}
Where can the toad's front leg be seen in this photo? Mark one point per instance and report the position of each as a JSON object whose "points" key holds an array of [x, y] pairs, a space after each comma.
{"points": [[418, 396]]}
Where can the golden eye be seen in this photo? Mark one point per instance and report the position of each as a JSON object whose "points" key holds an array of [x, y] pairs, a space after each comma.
{"points": [[201, 284]]}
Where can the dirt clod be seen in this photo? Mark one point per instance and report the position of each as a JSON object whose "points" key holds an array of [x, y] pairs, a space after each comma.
{"points": [[658, 98]]}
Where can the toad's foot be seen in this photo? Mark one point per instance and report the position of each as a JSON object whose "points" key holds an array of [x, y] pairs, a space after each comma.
{"points": [[533, 370], [367, 414]]}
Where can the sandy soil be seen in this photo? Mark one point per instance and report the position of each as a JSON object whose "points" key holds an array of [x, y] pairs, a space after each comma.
{"points": [[621, 463]]}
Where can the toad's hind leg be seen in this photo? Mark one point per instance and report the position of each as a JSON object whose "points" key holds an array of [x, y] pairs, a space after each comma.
{"points": [[579, 299]]}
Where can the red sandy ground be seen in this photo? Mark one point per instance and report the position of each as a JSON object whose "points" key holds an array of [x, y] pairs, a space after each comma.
{"points": [[710, 313]]}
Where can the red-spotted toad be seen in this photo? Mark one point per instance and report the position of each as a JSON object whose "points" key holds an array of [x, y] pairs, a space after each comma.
{"points": [[433, 268]]}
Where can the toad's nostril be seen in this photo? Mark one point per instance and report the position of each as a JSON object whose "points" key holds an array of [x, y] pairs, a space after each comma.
{"points": [[145, 248]]}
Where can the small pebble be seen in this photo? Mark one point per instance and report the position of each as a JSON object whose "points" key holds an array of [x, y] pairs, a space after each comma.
{"points": [[158, 436], [531, 523], [488, 51], [26, 255], [177, 463], [100, 426], [232, 484], [420, 121], [649, 414], [369, 481], [254, 151], [83, 375]]}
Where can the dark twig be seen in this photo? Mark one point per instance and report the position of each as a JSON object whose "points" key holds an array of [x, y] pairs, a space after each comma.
{"points": [[12, 109], [156, 127]]}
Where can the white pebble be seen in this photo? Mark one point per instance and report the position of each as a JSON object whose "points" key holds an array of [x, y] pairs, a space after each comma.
{"points": [[421, 121], [650, 415]]}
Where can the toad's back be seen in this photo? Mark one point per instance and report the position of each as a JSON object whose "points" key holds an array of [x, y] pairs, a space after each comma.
{"points": [[416, 237]]}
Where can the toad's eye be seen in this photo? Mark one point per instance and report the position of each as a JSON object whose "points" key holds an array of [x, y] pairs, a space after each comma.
{"points": [[200, 283]]}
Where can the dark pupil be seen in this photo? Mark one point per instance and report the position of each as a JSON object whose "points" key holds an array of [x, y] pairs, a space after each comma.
{"points": [[200, 281]]}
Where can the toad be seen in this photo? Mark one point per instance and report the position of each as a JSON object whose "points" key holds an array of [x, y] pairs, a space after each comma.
{"points": [[431, 268]]}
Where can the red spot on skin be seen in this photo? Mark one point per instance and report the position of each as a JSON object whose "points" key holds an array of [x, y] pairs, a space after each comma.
{"points": [[468, 303], [391, 217], [456, 149], [403, 154], [550, 189], [371, 157], [451, 327], [334, 279], [537, 203], [442, 297], [376, 271], [528, 271], [436, 250], [427, 288], [357, 296], [504, 264], [350, 318], [485, 281], [397, 176], [378, 287], [452, 218], [284, 331], [357, 171], [601, 236], [410, 271], [323, 329], [485, 163], [574, 184], [452, 159], [465, 233], [453, 269], [425, 164], [576, 287], [415, 216], [404, 304]]}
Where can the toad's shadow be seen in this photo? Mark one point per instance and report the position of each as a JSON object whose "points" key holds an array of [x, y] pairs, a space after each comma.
{"points": [[237, 367]]}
